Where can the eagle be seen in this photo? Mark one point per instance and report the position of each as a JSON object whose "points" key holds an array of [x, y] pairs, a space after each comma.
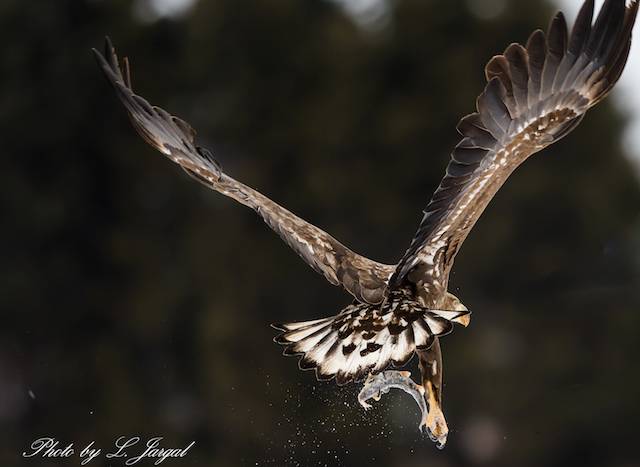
{"points": [[535, 95]]}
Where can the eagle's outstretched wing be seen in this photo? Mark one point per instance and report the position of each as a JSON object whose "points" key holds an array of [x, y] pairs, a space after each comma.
{"points": [[535, 95], [364, 278]]}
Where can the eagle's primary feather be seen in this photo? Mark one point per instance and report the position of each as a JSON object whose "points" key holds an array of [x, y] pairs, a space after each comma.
{"points": [[534, 96]]}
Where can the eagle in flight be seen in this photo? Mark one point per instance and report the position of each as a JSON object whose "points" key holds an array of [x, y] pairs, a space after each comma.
{"points": [[534, 96]]}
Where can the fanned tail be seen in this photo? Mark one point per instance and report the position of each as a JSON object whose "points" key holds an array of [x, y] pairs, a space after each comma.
{"points": [[365, 339]]}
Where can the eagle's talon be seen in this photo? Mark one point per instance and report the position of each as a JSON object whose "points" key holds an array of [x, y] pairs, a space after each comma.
{"points": [[431, 435], [437, 428]]}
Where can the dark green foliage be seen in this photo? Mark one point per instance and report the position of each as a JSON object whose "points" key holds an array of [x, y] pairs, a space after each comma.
{"points": [[135, 302]]}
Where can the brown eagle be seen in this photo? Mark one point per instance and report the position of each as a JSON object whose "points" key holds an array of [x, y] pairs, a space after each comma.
{"points": [[535, 95]]}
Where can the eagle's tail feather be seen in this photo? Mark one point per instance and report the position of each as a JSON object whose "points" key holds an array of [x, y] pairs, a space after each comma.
{"points": [[364, 339]]}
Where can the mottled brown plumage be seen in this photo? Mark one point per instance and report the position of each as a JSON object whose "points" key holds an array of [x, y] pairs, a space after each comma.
{"points": [[535, 95]]}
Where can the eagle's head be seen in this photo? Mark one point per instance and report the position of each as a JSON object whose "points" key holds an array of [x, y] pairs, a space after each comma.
{"points": [[453, 303]]}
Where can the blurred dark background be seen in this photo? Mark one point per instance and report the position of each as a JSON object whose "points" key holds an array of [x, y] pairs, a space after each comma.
{"points": [[135, 302]]}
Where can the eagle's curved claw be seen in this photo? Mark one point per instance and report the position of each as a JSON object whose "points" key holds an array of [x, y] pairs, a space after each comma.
{"points": [[437, 428]]}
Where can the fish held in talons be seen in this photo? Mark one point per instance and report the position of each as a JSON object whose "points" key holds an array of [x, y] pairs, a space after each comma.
{"points": [[432, 422]]}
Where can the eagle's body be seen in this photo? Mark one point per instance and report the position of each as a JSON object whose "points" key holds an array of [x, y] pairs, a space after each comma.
{"points": [[535, 95]]}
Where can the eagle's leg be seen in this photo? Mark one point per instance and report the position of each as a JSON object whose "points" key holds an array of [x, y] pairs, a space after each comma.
{"points": [[431, 369]]}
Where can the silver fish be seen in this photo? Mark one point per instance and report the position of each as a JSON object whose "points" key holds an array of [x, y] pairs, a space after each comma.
{"points": [[381, 383]]}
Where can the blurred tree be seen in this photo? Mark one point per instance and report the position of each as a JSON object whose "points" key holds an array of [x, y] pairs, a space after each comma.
{"points": [[135, 302]]}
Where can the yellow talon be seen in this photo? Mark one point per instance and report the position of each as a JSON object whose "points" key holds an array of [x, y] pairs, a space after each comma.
{"points": [[436, 424]]}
